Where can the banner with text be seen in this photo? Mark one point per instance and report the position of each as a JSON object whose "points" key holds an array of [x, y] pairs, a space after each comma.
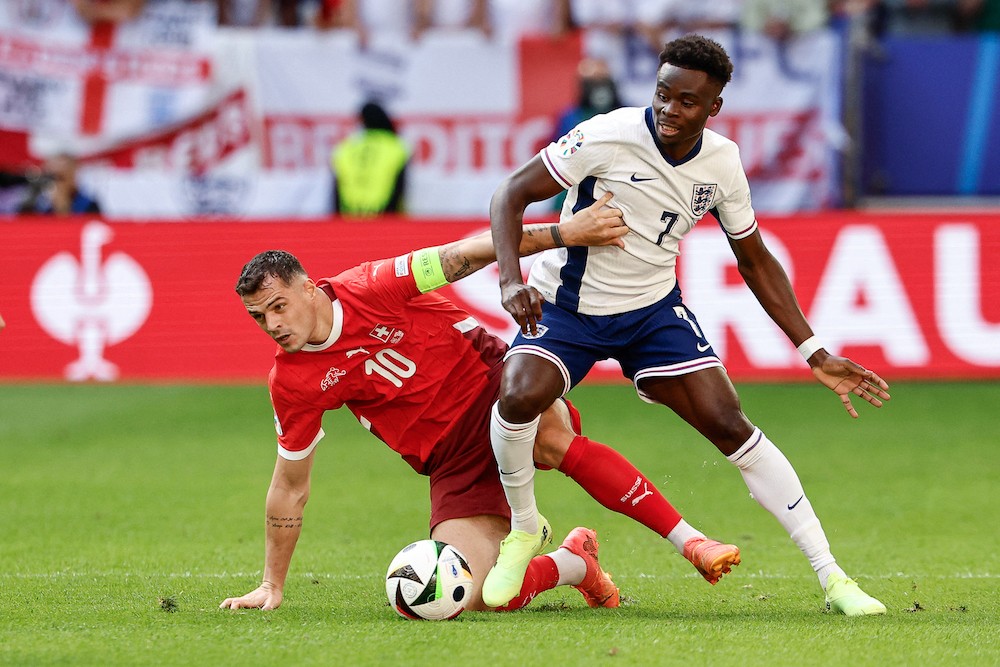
{"points": [[171, 94], [912, 296]]}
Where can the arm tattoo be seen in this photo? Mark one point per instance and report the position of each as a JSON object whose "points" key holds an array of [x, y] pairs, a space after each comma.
{"points": [[557, 237], [284, 521], [455, 266]]}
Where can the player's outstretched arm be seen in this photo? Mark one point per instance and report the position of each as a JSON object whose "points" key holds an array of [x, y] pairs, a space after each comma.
{"points": [[768, 281], [597, 225], [530, 183], [286, 500]]}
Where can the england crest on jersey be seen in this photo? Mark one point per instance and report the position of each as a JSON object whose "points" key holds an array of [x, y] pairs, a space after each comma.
{"points": [[702, 196]]}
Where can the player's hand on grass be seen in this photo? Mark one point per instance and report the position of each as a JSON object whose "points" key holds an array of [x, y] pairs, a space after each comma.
{"points": [[265, 596], [845, 377], [596, 225]]}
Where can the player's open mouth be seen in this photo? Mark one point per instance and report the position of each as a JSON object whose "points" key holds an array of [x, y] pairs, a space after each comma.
{"points": [[668, 130], [282, 339]]}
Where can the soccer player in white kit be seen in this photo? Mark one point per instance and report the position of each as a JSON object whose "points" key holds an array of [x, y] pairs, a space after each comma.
{"points": [[581, 305]]}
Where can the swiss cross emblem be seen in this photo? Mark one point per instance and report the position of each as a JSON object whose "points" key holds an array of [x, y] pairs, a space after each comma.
{"points": [[383, 333], [702, 196]]}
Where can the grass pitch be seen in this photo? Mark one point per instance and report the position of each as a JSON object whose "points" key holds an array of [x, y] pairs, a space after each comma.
{"points": [[130, 512]]}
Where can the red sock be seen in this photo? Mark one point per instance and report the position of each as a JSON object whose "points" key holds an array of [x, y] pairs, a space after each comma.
{"points": [[542, 575], [613, 481]]}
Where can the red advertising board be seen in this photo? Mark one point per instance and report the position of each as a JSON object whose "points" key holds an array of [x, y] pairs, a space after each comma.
{"points": [[910, 295]]}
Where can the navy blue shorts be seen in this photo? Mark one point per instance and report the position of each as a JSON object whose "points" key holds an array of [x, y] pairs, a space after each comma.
{"points": [[663, 339]]}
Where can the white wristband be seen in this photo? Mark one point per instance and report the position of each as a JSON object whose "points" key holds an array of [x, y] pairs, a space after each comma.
{"points": [[809, 346]]}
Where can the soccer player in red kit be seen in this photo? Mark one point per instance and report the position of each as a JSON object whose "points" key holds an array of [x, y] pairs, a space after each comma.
{"points": [[421, 375]]}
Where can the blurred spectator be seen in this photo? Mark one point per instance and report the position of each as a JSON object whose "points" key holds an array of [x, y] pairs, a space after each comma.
{"points": [[915, 17], [615, 17], [114, 11], [982, 15], [513, 19], [55, 190], [369, 167], [283, 13], [368, 18], [243, 13], [409, 18], [451, 14], [606, 29], [598, 94], [659, 21], [782, 19], [288, 13], [14, 188]]}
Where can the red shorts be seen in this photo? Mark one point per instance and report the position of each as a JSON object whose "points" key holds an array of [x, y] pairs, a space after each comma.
{"points": [[464, 477], [463, 471]]}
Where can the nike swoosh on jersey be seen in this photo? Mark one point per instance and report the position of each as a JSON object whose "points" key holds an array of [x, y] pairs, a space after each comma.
{"points": [[792, 506], [636, 179], [702, 348]]}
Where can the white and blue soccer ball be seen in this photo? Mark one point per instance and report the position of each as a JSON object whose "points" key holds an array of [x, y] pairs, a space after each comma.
{"points": [[430, 580]]}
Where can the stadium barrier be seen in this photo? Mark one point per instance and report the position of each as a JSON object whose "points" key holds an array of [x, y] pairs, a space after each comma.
{"points": [[911, 295]]}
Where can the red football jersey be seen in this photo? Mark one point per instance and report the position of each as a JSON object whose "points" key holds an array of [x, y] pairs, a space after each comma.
{"points": [[406, 364]]}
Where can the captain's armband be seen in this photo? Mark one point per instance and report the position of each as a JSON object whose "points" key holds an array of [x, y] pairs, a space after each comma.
{"points": [[427, 271]]}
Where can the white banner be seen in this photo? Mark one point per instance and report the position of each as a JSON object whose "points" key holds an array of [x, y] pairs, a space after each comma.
{"points": [[472, 109]]}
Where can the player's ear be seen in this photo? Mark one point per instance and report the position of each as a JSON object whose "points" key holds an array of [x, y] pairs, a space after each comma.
{"points": [[309, 288], [716, 107]]}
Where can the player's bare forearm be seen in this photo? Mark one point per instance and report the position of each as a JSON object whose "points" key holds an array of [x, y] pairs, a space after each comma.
{"points": [[530, 183], [769, 283], [286, 502], [283, 512], [282, 527], [506, 229], [596, 225]]}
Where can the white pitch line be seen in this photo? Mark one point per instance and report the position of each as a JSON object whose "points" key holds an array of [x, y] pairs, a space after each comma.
{"points": [[765, 575], [357, 577], [168, 575]]}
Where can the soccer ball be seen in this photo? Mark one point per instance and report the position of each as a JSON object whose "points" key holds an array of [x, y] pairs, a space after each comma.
{"points": [[430, 580]]}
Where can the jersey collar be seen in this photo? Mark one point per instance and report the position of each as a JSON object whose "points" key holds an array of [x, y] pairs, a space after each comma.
{"points": [[663, 152], [335, 330]]}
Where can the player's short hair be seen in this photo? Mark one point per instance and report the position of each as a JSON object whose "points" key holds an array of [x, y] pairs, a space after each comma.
{"points": [[278, 263], [699, 53]]}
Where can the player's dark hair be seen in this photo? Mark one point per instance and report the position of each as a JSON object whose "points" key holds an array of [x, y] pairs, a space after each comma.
{"points": [[699, 53], [277, 263]]}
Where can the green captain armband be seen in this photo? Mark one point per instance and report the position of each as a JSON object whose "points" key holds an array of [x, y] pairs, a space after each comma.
{"points": [[427, 271]]}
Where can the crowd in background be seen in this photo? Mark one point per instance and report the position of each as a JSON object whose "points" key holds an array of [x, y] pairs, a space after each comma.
{"points": [[653, 19], [52, 188]]}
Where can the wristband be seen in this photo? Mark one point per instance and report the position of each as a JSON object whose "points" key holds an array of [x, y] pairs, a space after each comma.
{"points": [[427, 271], [808, 347]]}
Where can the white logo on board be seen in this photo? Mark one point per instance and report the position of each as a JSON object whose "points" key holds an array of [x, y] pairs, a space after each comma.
{"points": [[90, 303]]}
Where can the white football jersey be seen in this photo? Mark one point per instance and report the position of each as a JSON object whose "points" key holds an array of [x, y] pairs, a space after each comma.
{"points": [[661, 201]]}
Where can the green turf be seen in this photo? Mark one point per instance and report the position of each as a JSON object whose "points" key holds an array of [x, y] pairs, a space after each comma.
{"points": [[130, 512]]}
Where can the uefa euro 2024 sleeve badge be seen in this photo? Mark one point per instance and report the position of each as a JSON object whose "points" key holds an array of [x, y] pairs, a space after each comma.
{"points": [[570, 142]]}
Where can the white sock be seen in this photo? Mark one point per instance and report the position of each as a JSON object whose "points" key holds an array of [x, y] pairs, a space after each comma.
{"points": [[824, 573], [513, 447], [572, 568], [681, 533], [775, 486]]}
